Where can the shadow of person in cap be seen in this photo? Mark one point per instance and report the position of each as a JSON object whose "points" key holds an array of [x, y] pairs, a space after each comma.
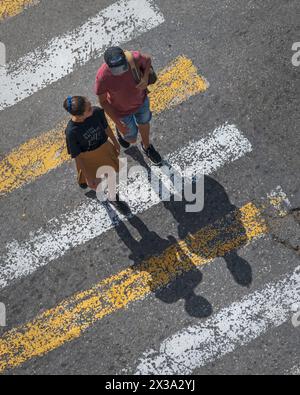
{"points": [[219, 213], [147, 255]]}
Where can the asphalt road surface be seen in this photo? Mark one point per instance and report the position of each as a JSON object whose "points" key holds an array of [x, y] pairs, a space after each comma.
{"points": [[87, 290]]}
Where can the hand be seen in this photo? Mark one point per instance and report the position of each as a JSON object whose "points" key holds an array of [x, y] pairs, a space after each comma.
{"points": [[123, 128], [92, 183], [143, 84]]}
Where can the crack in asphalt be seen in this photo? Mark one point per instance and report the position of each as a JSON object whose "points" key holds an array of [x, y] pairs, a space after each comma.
{"points": [[286, 244], [295, 213]]}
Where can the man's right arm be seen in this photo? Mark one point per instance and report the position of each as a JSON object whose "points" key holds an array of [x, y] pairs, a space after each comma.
{"points": [[107, 107], [109, 110]]}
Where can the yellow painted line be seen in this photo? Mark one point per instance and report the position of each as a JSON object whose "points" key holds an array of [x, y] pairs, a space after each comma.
{"points": [[33, 159], [36, 157], [72, 317], [177, 82], [9, 8]]}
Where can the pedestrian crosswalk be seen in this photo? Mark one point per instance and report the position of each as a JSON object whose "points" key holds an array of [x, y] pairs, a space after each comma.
{"points": [[177, 83], [119, 23], [232, 327], [74, 316], [194, 346], [295, 371], [90, 220]]}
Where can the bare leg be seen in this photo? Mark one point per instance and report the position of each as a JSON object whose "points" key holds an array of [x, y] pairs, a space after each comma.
{"points": [[145, 134]]}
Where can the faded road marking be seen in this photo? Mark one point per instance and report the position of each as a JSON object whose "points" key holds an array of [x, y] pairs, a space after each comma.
{"points": [[91, 219], [75, 315], [231, 328], [119, 23], [9, 8]]}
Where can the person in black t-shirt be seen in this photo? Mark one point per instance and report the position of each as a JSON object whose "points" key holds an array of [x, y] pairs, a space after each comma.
{"points": [[90, 140]]}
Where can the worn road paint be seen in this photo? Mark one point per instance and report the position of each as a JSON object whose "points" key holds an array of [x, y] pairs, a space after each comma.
{"points": [[231, 328], [91, 219], [10, 8], [71, 318], [119, 23], [295, 371], [177, 83]]}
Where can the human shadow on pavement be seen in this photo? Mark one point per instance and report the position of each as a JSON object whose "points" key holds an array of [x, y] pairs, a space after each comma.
{"points": [[218, 217], [218, 211], [150, 246]]}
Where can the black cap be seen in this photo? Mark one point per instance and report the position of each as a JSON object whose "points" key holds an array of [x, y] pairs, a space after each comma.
{"points": [[116, 60]]}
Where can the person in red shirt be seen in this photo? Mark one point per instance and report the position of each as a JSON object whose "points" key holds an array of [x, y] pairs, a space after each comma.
{"points": [[125, 101]]}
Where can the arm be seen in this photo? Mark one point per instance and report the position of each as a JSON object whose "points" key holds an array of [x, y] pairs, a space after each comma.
{"points": [[109, 110], [111, 135], [146, 64], [101, 91]]}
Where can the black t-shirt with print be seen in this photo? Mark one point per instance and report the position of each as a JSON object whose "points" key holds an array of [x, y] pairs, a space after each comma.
{"points": [[87, 136]]}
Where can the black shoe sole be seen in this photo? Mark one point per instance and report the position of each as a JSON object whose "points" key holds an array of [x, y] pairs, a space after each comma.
{"points": [[158, 164]]}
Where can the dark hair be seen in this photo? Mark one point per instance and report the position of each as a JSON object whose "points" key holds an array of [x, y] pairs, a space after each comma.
{"points": [[75, 105]]}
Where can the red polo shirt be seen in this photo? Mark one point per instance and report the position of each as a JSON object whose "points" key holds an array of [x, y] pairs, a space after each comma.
{"points": [[121, 91]]}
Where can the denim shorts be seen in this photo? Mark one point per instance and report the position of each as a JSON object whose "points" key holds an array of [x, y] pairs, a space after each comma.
{"points": [[142, 117]]}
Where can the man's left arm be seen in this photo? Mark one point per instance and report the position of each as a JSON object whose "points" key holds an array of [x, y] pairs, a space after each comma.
{"points": [[145, 66]]}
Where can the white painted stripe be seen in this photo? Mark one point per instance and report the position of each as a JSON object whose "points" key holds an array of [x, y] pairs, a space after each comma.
{"points": [[120, 22], [90, 220], [293, 372], [231, 328]]}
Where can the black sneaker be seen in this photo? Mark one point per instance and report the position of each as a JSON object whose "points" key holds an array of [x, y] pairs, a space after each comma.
{"points": [[153, 155], [122, 142]]}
